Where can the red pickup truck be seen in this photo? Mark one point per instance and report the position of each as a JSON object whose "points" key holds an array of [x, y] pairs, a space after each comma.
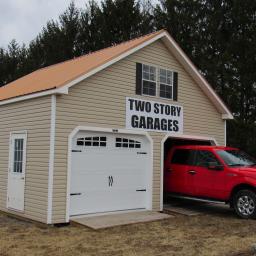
{"points": [[213, 173]]}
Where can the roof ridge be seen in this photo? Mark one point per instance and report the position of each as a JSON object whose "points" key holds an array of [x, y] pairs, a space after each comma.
{"points": [[100, 50]]}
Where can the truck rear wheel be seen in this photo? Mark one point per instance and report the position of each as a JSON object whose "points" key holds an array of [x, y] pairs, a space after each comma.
{"points": [[244, 202]]}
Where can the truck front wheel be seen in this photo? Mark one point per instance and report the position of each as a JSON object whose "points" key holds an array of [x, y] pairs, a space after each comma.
{"points": [[244, 202]]}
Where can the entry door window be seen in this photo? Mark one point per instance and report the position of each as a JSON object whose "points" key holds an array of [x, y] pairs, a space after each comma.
{"points": [[18, 155]]}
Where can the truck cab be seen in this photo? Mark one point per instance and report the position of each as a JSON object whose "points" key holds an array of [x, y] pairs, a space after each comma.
{"points": [[214, 173]]}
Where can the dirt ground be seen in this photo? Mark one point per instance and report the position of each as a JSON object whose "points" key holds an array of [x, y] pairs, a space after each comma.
{"points": [[214, 232]]}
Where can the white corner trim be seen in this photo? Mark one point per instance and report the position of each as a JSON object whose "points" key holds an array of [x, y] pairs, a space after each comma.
{"points": [[34, 95], [51, 159], [193, 137], [109, 130], [225, 132]]}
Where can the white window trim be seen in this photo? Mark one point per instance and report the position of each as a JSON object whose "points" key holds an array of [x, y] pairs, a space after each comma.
{"points": [[159, 82], [11, 149], [142, 79]]}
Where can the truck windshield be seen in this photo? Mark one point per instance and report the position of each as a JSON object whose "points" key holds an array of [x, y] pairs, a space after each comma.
{"points": [[236, 158]]}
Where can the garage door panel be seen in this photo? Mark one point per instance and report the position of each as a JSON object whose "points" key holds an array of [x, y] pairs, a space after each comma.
{"points": [[112, 201], [101, 180], [132, 181], [109, 178], [84, 182]]}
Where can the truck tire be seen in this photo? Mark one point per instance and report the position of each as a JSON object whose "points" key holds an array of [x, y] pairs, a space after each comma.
{"points": [[244, 202]]}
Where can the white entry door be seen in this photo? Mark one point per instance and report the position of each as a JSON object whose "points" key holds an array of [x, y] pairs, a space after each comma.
{"points": [[16, 176], [110, 172]]}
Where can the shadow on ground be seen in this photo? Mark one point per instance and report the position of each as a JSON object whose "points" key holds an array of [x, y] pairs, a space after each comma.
{"points": [[198, 208]]}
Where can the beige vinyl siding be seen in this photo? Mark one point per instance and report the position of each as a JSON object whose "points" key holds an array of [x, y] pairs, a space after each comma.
{"points": [[32, 116], [99, 101]]}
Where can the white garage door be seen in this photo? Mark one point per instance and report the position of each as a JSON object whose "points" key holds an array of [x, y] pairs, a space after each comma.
{"points": [[110, 172]]}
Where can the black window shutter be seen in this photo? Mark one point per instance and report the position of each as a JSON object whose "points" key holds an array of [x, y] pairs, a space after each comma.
{"points": [[138, 78], [175, 86]]}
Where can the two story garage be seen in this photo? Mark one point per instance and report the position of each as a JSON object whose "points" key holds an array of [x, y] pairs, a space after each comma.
{"points": [[89, 135]]}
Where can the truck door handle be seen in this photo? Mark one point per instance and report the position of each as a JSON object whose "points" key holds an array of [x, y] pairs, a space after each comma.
{"points": [[192, 172], [169, 169]]}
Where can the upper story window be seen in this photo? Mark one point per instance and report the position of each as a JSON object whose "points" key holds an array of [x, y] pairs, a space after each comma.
{"points": [[154, 81], [166, 83], [148, 80]]}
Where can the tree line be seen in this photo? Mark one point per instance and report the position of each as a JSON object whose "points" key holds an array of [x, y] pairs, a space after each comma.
{"points": [[219, 36]]}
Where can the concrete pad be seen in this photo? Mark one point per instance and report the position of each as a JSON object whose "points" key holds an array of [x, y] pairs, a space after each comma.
{"points": [[171, 209], [192, 208], [118, 219]]}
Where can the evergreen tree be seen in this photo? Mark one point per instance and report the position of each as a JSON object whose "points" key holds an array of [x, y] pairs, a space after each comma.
{"points": [[3, 67], [90, 36], [219, 36], [69, 22], [121, 21]]}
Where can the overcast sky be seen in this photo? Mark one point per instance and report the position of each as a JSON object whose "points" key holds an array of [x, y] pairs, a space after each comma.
{"points": [[23, 19]]}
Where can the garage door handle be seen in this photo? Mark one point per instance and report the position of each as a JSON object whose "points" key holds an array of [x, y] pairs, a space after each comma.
{"points": [[76, 194], [110, 181], [192, 172], [141, 190]]}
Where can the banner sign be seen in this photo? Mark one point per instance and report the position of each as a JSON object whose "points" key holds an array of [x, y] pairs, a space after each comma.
{"points": [[153, 116]]}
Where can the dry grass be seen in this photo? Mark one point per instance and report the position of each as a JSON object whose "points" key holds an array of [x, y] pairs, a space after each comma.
{"points": [[219, 232]]}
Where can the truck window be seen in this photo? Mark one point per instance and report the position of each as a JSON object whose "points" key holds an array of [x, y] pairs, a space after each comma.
{"points": [[236, 158], [182, 156], [204, 157]]}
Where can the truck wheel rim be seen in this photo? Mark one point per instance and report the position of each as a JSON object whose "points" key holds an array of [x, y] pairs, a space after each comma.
{"points": [[245, 205]]}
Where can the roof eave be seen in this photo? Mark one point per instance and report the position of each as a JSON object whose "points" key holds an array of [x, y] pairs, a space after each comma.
{"points": [[227, 117], [34, 95]]}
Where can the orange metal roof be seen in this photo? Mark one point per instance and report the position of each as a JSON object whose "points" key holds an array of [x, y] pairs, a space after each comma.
{"points": [[60, 74]]}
